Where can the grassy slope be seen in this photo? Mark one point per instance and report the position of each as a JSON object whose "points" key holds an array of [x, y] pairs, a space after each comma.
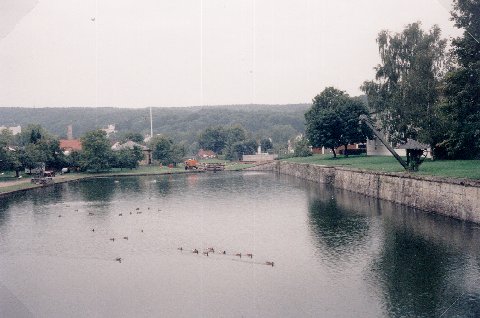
{"points": [[448, 168]]}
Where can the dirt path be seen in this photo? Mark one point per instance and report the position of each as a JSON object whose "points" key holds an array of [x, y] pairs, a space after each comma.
{"points": [[11, 183]]}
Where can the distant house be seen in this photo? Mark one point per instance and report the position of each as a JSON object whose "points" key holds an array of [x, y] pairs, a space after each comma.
{"points": [[110, 129], [376, 148], [147, 152], [206, 154], [15, 130], [292, 142], [67, 146]]}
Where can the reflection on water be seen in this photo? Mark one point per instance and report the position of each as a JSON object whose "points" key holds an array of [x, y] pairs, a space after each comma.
{"points": [[162, 184], [413, 273], [337, 254], [338, 230], [99, 189], [427, 264], [422, 263]]}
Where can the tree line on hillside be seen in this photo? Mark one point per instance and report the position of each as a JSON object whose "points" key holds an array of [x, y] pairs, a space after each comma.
{"points": [[421, 91], [181, 124]]}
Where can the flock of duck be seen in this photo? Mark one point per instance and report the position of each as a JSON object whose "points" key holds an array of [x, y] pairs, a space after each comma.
{"points": [[206, 252], [211, 250]]}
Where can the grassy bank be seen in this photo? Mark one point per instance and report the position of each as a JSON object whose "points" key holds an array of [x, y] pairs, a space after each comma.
{"points": [[443, 168], [8, 182]]}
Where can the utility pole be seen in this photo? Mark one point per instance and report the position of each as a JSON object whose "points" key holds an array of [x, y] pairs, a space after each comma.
{"points": [[151, 123]]}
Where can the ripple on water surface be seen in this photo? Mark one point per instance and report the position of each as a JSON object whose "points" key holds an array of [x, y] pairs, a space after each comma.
{"points": [[109, 247]]}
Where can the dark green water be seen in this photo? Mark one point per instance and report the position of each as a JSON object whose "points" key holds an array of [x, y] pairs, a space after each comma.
{"points": [[335, 253]]}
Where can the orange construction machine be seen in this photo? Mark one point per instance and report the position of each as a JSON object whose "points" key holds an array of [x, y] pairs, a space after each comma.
{"points": [[191, 164]]}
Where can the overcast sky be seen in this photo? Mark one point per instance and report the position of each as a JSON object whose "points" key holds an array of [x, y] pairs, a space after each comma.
{"points": [[193, 52]]}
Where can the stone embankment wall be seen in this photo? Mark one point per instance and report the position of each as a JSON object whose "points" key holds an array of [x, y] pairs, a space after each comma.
{"points": [[456, 198]]}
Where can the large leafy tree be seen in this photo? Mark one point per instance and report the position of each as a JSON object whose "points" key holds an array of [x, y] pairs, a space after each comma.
{"points": [[213, 138], [33, 156], [165, 150], [96, 153], [333, 120], [9, 159], [266, 144], [231, 141], [235, 134], [405, 92], [37, 144], [128, 158], [302, 148], [32, 134], [236, 150], [54, 157], [462, 84]]}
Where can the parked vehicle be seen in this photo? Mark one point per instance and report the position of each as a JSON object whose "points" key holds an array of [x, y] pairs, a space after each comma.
{"points": [[43, 178], [191, 164], [38, 170]]}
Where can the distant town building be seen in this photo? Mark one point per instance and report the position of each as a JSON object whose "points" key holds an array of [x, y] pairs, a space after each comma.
{"points": [[67, 146], [70, 132], [206, 154], [14, 129], [110, 129], [147, 152], [292, 142]]}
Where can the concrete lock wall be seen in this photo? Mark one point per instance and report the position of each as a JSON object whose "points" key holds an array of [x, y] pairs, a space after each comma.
{"points": [[455, 198]]}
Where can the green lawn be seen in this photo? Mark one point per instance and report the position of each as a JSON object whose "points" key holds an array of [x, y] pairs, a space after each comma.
{"points": [[444, 168], [7, 176]]}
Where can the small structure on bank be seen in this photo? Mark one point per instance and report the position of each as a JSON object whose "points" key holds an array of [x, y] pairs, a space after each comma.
{"points": [[414, 150], [416, 153], [259, 156]]}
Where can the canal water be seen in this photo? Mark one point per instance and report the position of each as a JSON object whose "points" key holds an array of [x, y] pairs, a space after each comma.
{"points": [[335, 253]]}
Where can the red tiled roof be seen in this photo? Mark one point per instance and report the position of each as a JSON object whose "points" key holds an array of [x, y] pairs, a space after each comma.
{"points": [[74, 144]]}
